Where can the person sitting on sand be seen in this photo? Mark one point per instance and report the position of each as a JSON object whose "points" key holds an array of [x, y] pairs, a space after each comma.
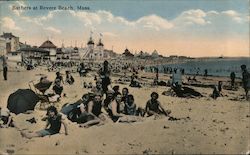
{"points": [[59, 77], [57, 88], [116, 90], [98, 87], [134, 81], [5, 118], [54, 121], [114, 108], [130, 106], [109, 98], [125, 94], [69, 78], [95, 106], [154, 107]]}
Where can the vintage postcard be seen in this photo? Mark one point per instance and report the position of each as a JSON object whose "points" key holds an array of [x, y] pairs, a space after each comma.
{"points": [[124, 77]]}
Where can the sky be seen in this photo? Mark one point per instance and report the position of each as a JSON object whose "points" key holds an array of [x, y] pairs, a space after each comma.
{"points": [[195, 28]]}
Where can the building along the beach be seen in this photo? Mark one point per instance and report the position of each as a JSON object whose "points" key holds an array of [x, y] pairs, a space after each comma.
{"points": [[34, 53], [2, 46], [49, 46], [155, 54], [96, 52], [12, 42]]}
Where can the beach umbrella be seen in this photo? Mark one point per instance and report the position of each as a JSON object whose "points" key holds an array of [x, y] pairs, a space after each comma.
{"points": [[22, 100]]}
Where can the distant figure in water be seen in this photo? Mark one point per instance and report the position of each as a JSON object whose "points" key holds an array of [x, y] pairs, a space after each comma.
{"points": [[205, 74], [232, 76], [245, 79]]}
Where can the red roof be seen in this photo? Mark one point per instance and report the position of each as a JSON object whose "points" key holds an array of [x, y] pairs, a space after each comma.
{"points": [[47, 44]]}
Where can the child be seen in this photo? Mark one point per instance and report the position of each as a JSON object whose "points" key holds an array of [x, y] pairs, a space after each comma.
{"points": [[130, 106], [154, 107], [54, 121]]}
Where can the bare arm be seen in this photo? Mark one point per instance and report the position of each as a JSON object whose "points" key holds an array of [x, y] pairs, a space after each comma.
{"points": [[65, 127], [82, 108], [166, 112], [47, 124], [90, 107]]}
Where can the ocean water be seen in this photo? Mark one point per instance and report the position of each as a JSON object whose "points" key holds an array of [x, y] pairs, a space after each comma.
{"points": [[214, 66]]}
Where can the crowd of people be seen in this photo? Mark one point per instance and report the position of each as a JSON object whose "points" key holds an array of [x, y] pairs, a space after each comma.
{"points": [[104, 103]]}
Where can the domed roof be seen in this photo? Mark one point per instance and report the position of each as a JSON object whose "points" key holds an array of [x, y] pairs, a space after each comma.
{"points": [[47, 44], [100, 44], [91, 41], [127, 53]]}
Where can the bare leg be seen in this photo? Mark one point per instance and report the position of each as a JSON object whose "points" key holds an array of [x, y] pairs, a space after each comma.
{"points": [[30, 135], [90, 123]]}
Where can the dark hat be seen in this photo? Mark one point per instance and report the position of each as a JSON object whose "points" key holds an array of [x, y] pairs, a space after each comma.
{"points": [[243, 67], [154, 93]]}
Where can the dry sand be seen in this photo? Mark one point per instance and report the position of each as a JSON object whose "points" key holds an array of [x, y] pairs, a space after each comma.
{"points": [[215, 126]]}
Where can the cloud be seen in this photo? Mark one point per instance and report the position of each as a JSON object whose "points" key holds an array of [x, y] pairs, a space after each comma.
{"points": [[88, 18], [52, 30], [40, 19], [109, 34], [154, 22], [234, 15], [9, 23], [104, 17], [192, 17], [231, 13]]}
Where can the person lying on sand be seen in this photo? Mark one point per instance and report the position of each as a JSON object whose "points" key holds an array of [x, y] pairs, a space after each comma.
{"points": [[88, 119], [6, 118], [154, 107], [91, 114], [54, 121]]}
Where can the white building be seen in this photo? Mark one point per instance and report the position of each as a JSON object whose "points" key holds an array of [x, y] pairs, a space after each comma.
{"points": [[2, 46], [12, 42], [95, 52]]}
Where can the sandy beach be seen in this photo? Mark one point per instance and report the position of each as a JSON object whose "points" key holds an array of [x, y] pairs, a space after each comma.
{"points": [[218, 126]]}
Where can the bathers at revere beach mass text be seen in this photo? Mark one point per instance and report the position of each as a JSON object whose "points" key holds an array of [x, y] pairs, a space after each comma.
{"points": [[41, 7]]}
